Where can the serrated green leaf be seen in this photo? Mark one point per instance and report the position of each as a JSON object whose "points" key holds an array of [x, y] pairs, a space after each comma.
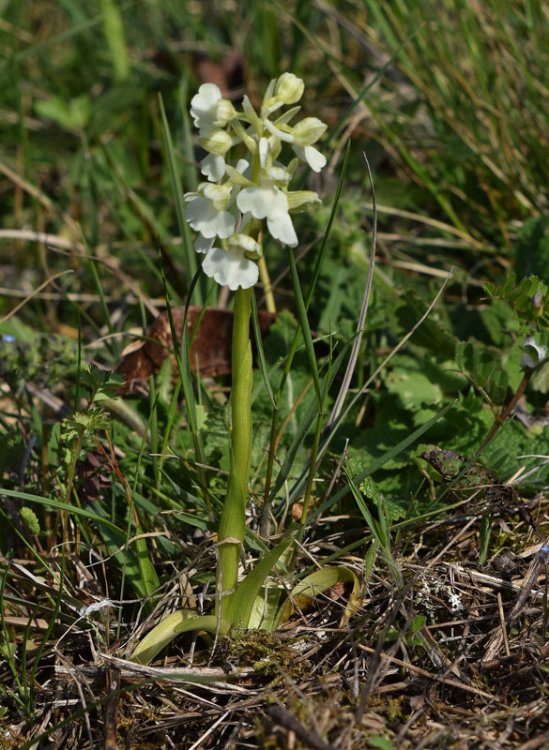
{"points": [[414, 389]]}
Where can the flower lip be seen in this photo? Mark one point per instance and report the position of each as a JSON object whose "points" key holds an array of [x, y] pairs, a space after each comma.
{"points": [[204, 106], [231, 268], [203, 217], [213, 167], [262, 201], [311, 156]]}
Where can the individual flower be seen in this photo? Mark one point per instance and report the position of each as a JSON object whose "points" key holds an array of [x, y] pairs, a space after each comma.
{"points": [[207, 213], [209, 109], [232, 267], [289, 88], [302, 136], [269, 202]]}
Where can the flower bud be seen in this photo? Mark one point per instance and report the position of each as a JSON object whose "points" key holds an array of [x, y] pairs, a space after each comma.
{"points": [[216, 142], [289, 88], [308, 131], [219, 195], [278, 174], [247, 243], [302, 200], [224, 112]]}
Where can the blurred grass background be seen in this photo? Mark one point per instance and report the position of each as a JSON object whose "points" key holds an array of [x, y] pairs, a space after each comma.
{"points": [[448, 100]]}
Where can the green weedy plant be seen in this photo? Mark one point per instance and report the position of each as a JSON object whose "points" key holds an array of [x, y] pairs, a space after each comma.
{"points": [[230, 212]]}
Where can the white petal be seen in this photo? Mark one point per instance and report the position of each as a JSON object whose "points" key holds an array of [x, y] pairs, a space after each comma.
{"points": [[255, 200], [312, 156], [262, 202], [281, 228], [202, 244], [213, 167], [230, 268], [203, 217], [278, 173], [204, 105], [242, 166]]}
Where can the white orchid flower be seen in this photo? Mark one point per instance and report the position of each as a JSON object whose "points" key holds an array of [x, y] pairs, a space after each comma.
{"points": [[204, 106], [207, 212], [209, 108], [231, 267], [269, 202]]}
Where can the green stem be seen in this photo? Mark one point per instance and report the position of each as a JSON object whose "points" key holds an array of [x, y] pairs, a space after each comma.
{"points": [[233, 517]]}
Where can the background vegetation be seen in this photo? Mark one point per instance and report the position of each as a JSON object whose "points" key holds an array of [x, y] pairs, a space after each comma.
{"points": [[108, 503]]}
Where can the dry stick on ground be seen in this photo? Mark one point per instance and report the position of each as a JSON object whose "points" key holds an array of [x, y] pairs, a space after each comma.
{"points": [[429, 675], [32, 294], [285, 719], [499, 638], [77, 250], [507, 410], [111, 708]]}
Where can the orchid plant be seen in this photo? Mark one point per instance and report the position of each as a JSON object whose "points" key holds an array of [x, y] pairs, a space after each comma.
{"points": [[241, 200]]}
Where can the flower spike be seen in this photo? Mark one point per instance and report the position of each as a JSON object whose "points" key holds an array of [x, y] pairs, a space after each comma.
{"points": [[230, 211]]}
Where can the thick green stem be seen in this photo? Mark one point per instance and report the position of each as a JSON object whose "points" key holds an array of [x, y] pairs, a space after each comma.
{"points": [[233, 517]]}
